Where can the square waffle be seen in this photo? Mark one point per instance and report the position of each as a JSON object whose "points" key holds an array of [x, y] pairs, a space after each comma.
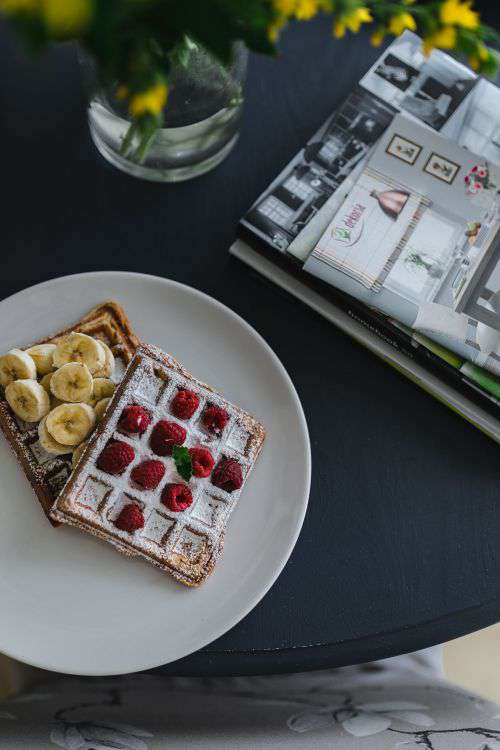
{"points": [[47, 473], [185, 544]]}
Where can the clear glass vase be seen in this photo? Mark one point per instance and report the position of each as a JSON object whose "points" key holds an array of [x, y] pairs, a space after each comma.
{"points": [[201, 123]]}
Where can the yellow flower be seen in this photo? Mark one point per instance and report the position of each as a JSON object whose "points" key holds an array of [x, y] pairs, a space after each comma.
{"points": [[273, 31], [457, 13], [377, 37], [352, 21], [303, 10], [445, 38], [481, 56], [400, 22], [149, 102], [306, 9], [338, 30], [18, 6], [65, 18], [285, 8]]}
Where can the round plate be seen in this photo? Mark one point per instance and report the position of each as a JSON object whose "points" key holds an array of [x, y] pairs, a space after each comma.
{"points": [[69, 602]]}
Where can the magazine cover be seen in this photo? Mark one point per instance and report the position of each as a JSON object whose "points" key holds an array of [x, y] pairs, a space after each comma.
{"points": [[417, 238]]}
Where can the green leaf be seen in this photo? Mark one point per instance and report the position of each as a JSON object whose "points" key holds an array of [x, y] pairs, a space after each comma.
{"points": [[183, 462]]}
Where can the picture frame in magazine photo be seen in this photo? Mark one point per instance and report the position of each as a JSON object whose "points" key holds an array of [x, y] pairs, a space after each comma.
{"points": [[442, 168], [403, 149]]}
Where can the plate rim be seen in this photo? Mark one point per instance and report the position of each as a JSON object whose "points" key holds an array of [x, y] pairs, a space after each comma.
{"points": [[269, 580]]}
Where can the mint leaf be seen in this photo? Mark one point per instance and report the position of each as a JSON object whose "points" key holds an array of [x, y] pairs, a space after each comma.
{"points": [[183, 463]]}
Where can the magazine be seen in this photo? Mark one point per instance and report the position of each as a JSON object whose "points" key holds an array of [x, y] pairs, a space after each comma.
{"points": [[286, 222]]}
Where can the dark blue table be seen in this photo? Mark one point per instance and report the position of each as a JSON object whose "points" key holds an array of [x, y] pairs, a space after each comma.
{"points": [[400, 548]]}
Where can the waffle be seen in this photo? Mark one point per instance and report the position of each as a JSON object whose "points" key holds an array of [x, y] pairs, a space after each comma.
{"points": [[46, 473], [185, 544]]}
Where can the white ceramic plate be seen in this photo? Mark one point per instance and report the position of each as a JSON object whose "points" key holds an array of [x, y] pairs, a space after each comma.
{"points": [[69, 602]]}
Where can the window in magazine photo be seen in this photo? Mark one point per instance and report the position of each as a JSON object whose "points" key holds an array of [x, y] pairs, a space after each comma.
{"points": [[420, 272], [477, 292], [404, 149], [372, 229], [480, 126], [442, 168]]}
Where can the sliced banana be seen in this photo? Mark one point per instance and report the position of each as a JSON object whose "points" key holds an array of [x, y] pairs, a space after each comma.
{"points": [[77, 453], [103, 388], [28, 399], [42, 355], [16, 365], [48, 442], [70, 424], [101, 407], [45, 382], [109, 365], [78, 347], [72, 382]]}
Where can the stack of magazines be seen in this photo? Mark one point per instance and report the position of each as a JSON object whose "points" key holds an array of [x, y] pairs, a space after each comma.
{"points": [[387, 223]]}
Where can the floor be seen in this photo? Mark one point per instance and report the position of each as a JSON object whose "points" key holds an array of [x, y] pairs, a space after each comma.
{"points": [[472, 662]]}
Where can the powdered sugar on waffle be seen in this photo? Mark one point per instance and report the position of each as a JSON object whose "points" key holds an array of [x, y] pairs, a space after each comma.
{"points": [[184, 543]]}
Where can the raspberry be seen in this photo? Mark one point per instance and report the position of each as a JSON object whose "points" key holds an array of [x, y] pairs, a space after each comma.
{"points": [[184, 404], [215, 419], [130, 519], [165, 435], [228, 475], [177, 497], [135, 418], [202, 460], [115, 457], [148, 474]]}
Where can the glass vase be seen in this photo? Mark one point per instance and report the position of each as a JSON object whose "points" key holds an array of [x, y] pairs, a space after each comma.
{"points": [[201, 119]]}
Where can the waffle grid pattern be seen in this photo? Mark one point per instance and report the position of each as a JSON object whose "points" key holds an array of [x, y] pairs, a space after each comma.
{"points": [[183, 542]]}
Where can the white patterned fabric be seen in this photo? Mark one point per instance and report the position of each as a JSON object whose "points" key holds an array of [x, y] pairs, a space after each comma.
{"points": [[398, 703]]}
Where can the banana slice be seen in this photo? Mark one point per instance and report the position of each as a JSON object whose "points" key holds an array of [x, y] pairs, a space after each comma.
{"points": [[70, 424], [77, 453], [42, 355], [109, 365], [78, 347], [47, 441], [28, 399], [72, 382], [16, 365], [45, 382], [103, 388], [101, 407]]}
